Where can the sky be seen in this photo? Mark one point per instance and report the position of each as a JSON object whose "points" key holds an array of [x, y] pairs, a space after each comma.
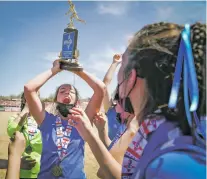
{"points": [[31, 36]]}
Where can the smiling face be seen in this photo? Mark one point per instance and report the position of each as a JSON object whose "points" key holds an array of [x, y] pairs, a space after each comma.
{"points": [[66, 94]]}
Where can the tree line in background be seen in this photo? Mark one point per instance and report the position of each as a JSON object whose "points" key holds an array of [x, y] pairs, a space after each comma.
{"points": [[11, 97]]}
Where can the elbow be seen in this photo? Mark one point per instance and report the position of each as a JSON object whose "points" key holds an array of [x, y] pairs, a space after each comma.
{"points": [[100, 89], [27, 89], [106, 81]]}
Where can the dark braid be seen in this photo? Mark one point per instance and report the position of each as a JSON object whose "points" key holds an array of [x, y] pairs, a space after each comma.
{"points": [[199, 52], [23, 101], [153, 53]]}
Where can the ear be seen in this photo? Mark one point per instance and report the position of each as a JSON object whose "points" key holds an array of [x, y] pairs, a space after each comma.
{"points": [[132, 79]]}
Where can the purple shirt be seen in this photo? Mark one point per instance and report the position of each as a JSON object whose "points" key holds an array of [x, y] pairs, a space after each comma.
{"points": [[113, 124], [73, 165], [171, 155]]}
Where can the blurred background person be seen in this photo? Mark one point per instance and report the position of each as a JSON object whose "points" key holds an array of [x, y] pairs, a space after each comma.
{"points": [[25, 123]]}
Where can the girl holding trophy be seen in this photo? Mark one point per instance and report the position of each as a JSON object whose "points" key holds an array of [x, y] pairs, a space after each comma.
{"points": [[62, 146]]}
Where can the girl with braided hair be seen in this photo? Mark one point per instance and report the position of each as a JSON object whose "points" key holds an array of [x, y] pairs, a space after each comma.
{"points": [[159, 141]]}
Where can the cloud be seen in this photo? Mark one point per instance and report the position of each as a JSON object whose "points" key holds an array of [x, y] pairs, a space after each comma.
{"points": [[181, 12], [113, 8], [101, 60], [51, 56], [164, 13], [98, 63]]}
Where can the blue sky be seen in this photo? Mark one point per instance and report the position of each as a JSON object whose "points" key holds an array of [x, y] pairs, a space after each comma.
{"points": [[31, 36]]}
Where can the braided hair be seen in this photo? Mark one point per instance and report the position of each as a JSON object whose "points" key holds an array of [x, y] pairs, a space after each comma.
{"points": [[153, 54], [23, 102]]}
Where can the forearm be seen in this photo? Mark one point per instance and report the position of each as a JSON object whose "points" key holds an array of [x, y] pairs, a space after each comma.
{"points": [[35, 105], [103, 135], [109, 74], [36, 83], [13, 167], [96, 84], [107, 100], [21, 117], [109, 166], [3, 164], [98, 87]]}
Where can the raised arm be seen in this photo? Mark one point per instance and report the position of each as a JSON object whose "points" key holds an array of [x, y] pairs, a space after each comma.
{"points": [[98, 87], [35, 105], [107, 80]]}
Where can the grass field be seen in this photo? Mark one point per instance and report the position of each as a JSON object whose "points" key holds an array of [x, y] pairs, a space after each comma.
{"points": [[91, 165]]}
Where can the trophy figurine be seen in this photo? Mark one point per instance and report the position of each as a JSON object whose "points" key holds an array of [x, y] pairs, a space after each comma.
{"points": [[69, 54]]}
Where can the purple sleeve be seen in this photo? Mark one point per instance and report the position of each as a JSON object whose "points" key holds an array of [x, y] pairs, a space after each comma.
{"points": [[47, 122]]}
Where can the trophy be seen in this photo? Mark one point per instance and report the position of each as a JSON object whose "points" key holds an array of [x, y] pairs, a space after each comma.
{"points": [[69, 54]]}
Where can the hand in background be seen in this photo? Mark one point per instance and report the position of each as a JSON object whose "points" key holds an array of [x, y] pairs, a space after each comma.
{"points": [[101, 122], [17, 144], [81, 122], [27, 163], [117, 58], [56, 66], [16, 148]]}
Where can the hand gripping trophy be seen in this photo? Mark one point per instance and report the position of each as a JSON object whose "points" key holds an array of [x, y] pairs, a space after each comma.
{"points": [[70, 53]]}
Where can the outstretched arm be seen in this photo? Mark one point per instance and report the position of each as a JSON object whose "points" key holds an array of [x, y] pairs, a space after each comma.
{"points": [[107, 80], [36, 107]]}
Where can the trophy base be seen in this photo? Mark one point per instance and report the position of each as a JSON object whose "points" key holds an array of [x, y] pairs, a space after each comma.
{"points": [[70, 66]]}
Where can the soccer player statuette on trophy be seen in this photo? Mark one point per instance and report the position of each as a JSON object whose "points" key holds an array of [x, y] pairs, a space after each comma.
{"points": [[70, 53]]}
